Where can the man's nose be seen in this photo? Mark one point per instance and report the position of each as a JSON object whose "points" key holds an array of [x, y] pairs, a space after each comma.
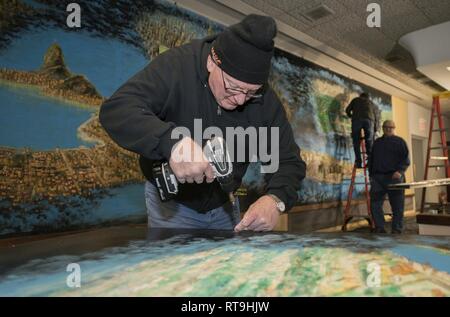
{"points": [[240, 99]]}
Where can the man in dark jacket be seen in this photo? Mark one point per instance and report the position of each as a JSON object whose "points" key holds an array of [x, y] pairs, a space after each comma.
{"points": [[389, 161], [363, 114], [221, 82]]}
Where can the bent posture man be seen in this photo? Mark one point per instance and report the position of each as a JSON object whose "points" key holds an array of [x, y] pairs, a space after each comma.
{"points": [[221, 79]]}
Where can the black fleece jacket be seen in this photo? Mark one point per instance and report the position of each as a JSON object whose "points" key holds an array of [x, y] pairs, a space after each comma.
{"points": [[390, 154], [360, 108], [171, 92]]}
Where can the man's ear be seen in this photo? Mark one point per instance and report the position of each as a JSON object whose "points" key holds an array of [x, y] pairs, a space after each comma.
{"points": [[210, 64]]}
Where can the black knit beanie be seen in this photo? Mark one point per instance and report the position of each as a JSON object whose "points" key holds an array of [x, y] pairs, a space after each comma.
{"points": [[245, 49]]}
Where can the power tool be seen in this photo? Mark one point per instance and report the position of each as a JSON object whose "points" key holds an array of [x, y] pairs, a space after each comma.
{"points": [[218, 156]]}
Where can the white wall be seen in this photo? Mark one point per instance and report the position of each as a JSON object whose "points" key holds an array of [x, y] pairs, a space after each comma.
{"points": [[419, 120]]}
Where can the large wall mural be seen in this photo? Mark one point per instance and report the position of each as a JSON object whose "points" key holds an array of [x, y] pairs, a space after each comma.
{"points": [[58, 168]]}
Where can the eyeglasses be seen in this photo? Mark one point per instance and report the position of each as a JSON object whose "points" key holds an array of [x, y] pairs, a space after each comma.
{"points": [[388, 127], [230, 91]]}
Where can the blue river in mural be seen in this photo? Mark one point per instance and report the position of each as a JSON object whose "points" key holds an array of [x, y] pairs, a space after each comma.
{"points": [[30, 119]]}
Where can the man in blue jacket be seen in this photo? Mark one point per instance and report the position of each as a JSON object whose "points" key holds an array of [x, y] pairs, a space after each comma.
{"points": [[387, 165]]}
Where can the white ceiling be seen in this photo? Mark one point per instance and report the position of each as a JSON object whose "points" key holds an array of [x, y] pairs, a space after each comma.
{"points": [[430, 48], [347, 32]]}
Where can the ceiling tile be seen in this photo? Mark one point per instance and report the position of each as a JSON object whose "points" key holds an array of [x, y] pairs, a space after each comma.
{"points": [[370, 40], [388, 7], [264, 6], [285, 5], [347, 32], [396, 26], [438, 15], [300, 24], [338, 26], [423, 4], [338, 9]]}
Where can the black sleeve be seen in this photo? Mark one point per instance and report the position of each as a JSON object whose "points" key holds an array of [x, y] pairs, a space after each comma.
{"points": [[349, 109], [285, 182], [131, 116], [403, 162]]}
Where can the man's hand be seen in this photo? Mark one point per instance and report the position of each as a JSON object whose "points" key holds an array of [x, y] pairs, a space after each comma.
{"points": [[396, 175], [262, 215], [189, 164]]}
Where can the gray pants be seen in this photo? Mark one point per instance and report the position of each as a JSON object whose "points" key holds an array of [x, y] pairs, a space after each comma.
{"points": [[171, 214], [378, 191]]}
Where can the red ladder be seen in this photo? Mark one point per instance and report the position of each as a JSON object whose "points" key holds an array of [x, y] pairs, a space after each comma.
{"points": [[436, 112], [347, 216]]}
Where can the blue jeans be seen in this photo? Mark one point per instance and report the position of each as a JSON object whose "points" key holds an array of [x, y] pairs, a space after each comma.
{"points": [[378, 190], [171, 214], [367, 126]]}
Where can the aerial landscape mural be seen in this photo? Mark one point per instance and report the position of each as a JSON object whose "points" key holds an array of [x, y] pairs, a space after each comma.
{"points": [[245, 265]]}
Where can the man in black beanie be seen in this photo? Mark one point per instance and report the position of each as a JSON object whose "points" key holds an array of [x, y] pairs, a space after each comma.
{"points": [[221, 82]]}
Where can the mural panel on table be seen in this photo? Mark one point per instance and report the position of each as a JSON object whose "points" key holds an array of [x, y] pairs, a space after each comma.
{"points": [[219, 264], [59, 169]]}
